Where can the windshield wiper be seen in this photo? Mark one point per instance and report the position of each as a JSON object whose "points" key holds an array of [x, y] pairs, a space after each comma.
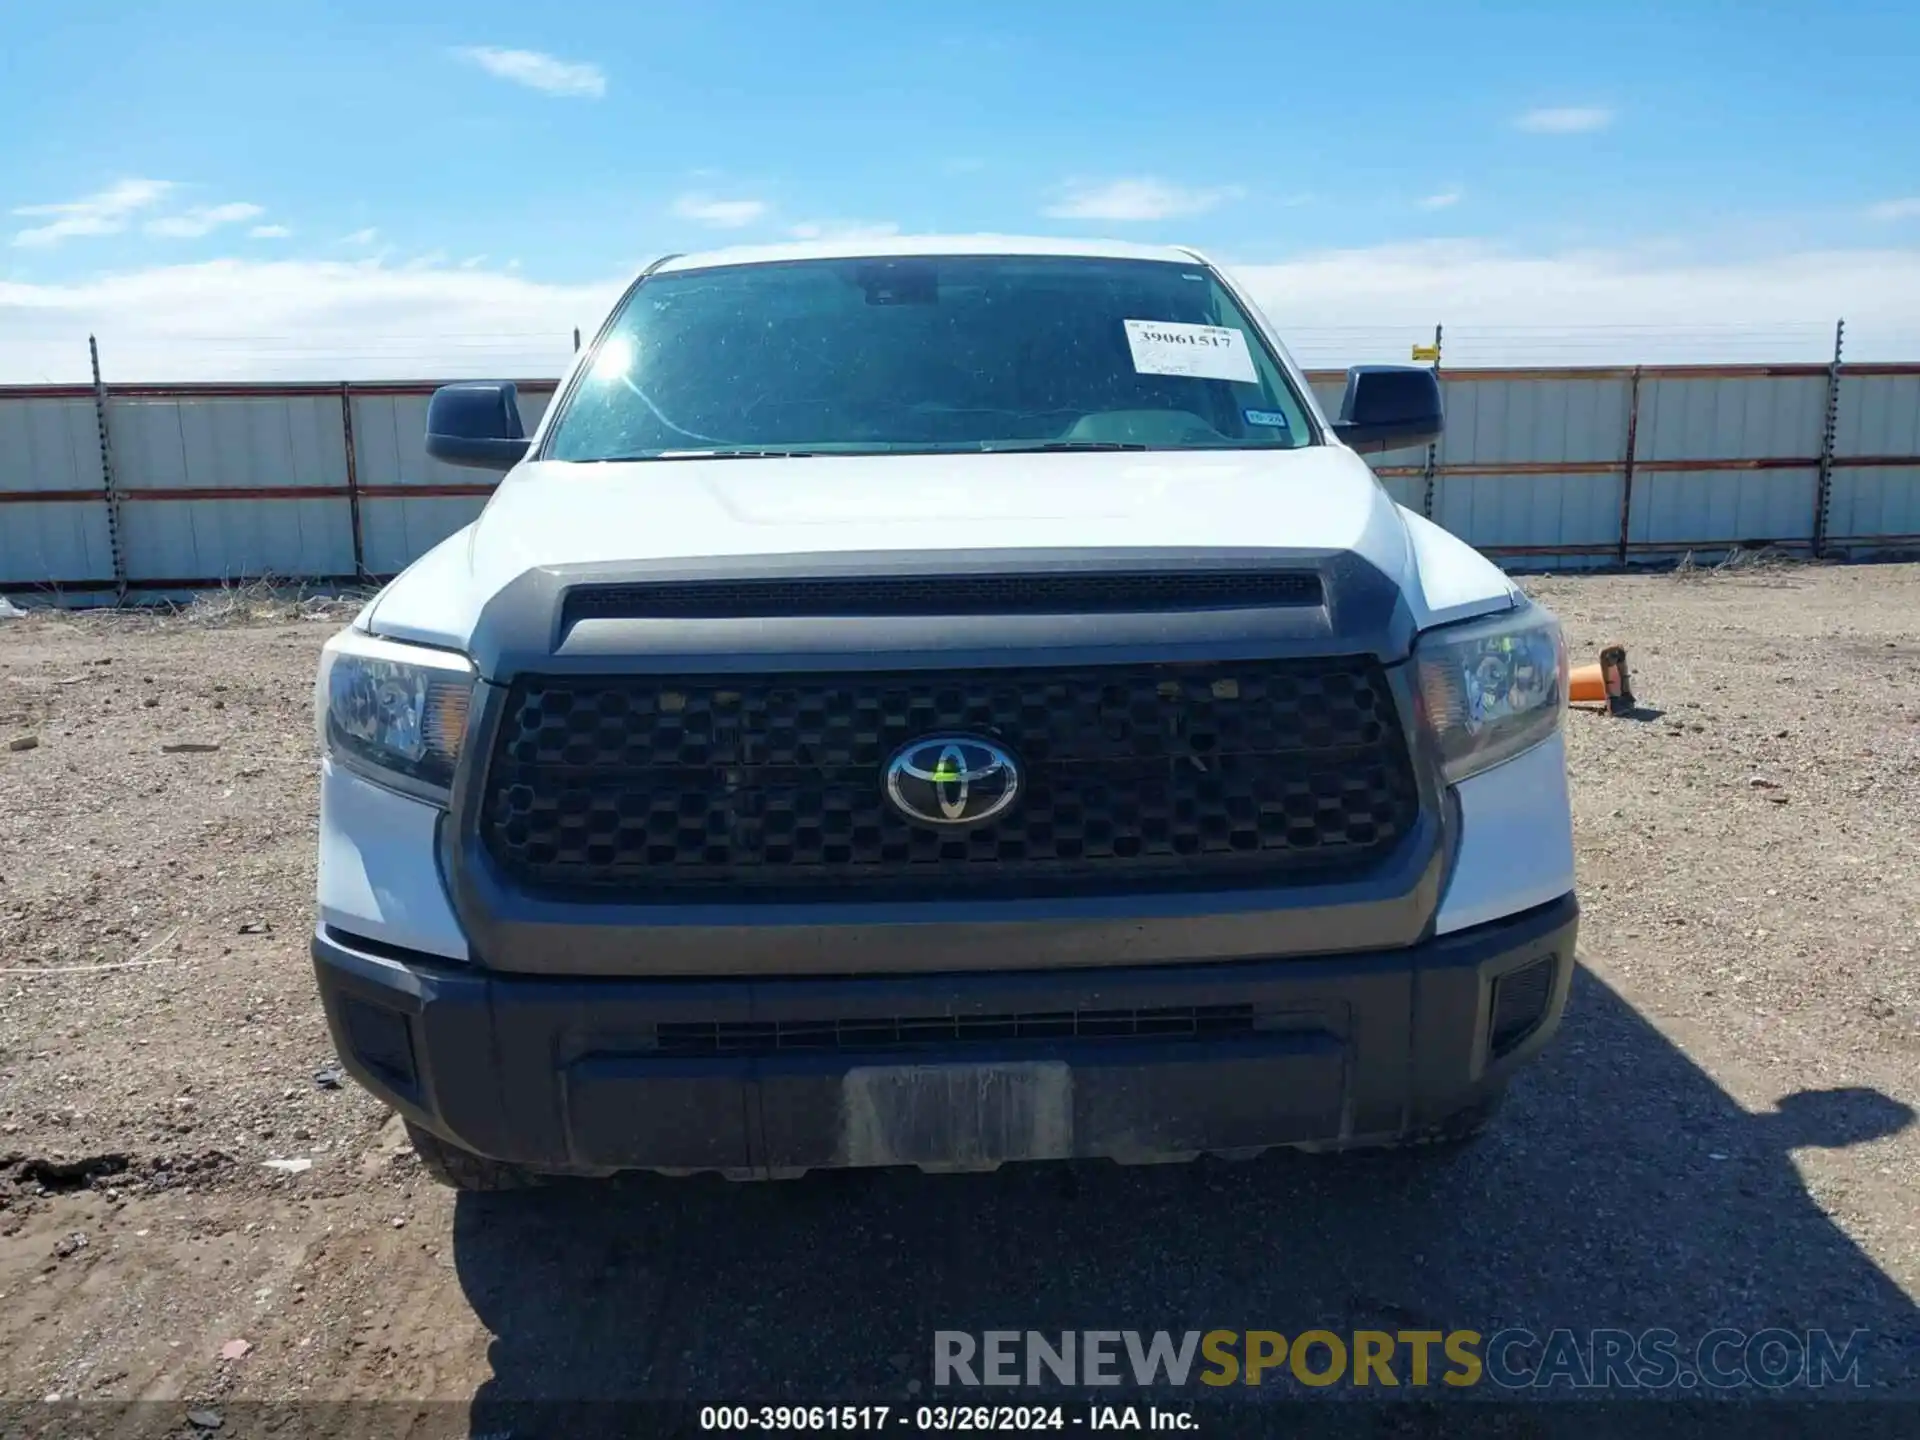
{"points": [[1064, 445], [736, 455], [704, 455], [743, 454]]}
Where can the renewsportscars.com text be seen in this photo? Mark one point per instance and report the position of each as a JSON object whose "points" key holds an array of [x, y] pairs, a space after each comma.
{"points": [[1512, 1359]]}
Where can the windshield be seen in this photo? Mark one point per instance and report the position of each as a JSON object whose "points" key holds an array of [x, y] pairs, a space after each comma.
{"points": [[967, 353]]}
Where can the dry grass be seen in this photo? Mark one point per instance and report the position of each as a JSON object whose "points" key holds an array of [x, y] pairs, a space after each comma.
{"points": [[1741, 561], [263, 600]]}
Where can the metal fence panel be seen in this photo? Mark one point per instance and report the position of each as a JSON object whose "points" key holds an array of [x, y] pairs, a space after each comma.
{"points": [[235, 540], [1742, 432], [170, 452], [1528, 516], [1878, 415], [50, 444], [51, 542], [389, 446], [1879, 421], [1535, 420], [1708, 509], [221, 442], [1723, 416], [1874, 505]]}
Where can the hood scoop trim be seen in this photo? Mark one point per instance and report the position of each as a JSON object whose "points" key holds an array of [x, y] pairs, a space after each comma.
{"points": [[1076, 592]]}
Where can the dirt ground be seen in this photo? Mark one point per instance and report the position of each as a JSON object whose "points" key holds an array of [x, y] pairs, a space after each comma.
{"points": [[1722, 1133]]}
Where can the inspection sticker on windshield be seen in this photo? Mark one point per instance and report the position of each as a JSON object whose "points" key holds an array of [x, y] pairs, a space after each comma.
{"points": [[1266, 417], [1206, 352]]}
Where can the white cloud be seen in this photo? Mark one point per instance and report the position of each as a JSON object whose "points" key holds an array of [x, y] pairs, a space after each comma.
{"points": [[1907, 209], [473, 261], [1566, 119], [361, 237], [1139, 198], [538, 71], [359, 319], [721, 214], [844, 230], [105, 212], [353, 320], [1440, 201], [1590, 307], [203, 220], [269, 232]]}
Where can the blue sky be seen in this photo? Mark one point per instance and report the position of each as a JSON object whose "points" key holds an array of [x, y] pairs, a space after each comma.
{"points": [[485, 166]]}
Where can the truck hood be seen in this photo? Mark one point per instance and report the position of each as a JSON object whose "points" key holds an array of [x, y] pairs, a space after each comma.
{"points": [[553, 513]]}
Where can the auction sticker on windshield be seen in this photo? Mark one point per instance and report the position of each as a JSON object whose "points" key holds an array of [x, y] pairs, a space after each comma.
{"points": [[1206, 352]]}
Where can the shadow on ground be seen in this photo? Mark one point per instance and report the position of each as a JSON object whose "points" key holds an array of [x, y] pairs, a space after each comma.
{"points": [[1620, 1188]]}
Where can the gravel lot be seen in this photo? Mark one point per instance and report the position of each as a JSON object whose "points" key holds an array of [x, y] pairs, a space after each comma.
{"points": [[1722, 1134]]}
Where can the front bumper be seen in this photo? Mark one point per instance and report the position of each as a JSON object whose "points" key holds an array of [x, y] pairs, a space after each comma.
{"points": [[573, 1075]]}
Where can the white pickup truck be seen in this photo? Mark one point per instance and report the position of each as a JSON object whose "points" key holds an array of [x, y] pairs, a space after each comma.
{"points": [[939, 702]]}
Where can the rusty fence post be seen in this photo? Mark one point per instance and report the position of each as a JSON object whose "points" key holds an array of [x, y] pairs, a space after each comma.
{"points": [[1823, 495], [1433, 450], [114, 545], [353, 479], [1626, 474]]}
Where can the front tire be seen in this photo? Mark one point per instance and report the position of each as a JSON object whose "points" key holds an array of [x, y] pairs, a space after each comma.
{"points": [[463, 1170]]}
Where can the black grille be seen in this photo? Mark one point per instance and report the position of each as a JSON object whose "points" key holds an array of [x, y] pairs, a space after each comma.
{"points": [[911, 1032], [751, 786], [1519, 1002], [1068, 593]]}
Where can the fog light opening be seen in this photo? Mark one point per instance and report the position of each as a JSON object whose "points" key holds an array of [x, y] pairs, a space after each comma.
{"points": [[381, 1040], [1518, 1005]]}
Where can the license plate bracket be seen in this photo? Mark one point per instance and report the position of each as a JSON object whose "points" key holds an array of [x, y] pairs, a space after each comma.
{"points": [[957, 1115]]}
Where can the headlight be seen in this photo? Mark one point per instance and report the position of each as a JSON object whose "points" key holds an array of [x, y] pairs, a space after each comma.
{"points": [[1492, 688], [396, 713]]}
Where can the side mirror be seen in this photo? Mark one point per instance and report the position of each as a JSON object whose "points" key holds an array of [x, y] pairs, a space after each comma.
{"points": [[1390, 406], [477, 425]]}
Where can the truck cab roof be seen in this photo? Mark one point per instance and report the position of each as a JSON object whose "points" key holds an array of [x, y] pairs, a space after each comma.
{"points": [[857, 247]]}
